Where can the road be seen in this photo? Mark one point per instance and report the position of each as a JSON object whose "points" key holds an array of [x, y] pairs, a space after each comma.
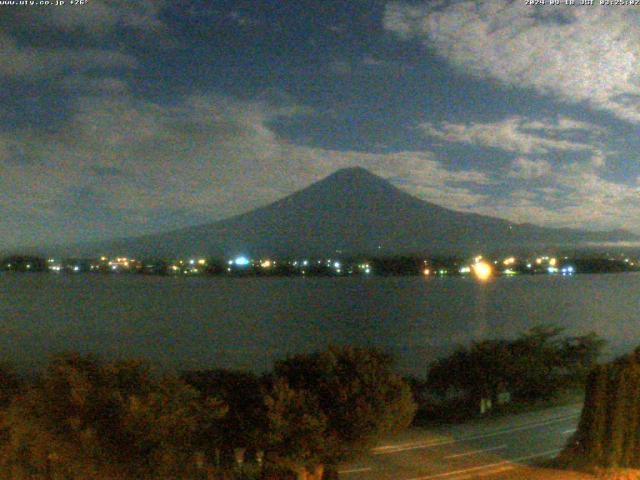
{"points": [[468, 451]]}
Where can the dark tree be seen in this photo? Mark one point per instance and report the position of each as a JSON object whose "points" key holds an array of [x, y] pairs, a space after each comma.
{"points": [[245, 423], [10, 385], [608, 433], [348, 398], [87, 419], [533, 366]]}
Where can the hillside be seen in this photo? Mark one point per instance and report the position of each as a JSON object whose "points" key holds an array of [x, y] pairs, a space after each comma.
{"points": [[351, 211]]}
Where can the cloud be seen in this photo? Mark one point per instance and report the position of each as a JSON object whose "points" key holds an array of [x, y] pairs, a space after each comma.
{"points": [[242, 19], [32, 63], [103, 16], [577, 54], [552, 178], [526, 169], [512, 134], [122, 165], [564, 124], [573, 194], [118, 164]]}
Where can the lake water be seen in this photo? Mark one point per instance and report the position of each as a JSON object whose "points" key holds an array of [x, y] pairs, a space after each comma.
{"points": [[247, 323]]}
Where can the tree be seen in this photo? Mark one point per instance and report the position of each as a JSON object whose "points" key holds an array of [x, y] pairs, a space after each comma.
{"points": [[533, 366], [167, 425], [608, 432], [617, 400], [351, 395], [10, 384], [590, 436], [86, 419], [297, 430], [580, 353], [538, 362], [242, 392]]}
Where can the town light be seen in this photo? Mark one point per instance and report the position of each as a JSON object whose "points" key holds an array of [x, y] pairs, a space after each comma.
{"points": [[509, 261], [482, 270], [241, 261]]}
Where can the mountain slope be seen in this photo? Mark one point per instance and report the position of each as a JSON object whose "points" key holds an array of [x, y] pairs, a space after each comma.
{"points": [[351, 211]]}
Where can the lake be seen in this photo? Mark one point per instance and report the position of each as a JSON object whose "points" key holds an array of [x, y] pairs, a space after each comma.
{"points": [[201, 322]]}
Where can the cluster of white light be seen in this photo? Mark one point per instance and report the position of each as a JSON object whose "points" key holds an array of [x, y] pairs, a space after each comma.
{"points": [[241, 261]]}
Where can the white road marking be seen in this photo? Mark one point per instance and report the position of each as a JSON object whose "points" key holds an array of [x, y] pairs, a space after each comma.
{"points": [[388, 449], [355, 470], [474, 452], [571, 430], [509, 462]]}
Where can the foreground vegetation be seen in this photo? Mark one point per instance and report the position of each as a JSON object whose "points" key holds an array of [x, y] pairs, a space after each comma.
{"points": [[85, 418], [536, 368], [608, 434], [89, 419]]}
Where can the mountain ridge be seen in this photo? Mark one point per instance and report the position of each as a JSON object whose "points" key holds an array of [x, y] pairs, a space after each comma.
{"points": [[351, 211]]}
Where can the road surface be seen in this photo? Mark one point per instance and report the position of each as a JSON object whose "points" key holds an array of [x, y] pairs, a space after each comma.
{"points": [[468, 451]]}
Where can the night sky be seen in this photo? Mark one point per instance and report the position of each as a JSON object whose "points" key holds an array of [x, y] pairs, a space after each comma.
{"points": [[121, 118]]}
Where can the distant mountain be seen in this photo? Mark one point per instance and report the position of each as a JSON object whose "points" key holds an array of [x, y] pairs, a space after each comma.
{"points": [[351, 211]]}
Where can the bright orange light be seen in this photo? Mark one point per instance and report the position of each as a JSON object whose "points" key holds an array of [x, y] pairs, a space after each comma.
{"points": [[482, 270], [553, 262], [266, 264], [509, 261], [426, 272]]}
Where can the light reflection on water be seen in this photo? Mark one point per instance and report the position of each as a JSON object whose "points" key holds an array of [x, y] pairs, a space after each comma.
{"points": [[246, 323]]}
